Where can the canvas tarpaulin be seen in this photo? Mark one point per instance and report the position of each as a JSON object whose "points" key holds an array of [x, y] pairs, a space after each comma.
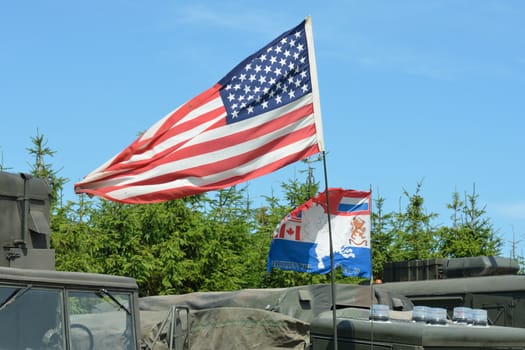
{"points": [[276, 318], [233, 328]]}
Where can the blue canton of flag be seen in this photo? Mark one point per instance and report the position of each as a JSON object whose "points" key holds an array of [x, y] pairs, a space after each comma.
{"points": [[272, 77]]}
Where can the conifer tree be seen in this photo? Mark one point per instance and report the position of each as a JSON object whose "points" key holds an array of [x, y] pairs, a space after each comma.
{"points": [[471, 233]]}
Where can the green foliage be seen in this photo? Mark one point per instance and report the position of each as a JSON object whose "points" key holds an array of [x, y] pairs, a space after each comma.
{"points": [[44, 170], [415, 236], [409, 234], [383, 237], [220, 241], [471, 233], [144, 241], [74, 244]]}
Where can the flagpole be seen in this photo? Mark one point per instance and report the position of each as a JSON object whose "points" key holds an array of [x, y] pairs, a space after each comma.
{"points": [[332, 272], [372, 293]]}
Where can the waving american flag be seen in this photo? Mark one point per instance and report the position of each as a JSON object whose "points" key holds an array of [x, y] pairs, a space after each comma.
{"points": [[262, 116]]}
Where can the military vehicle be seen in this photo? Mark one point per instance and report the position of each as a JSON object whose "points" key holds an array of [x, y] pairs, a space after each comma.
{"points": [[41, 308], [302, 318], [490, 283]]}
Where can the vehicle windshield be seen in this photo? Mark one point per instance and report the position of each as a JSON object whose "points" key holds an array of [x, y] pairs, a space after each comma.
{"points": [[34, 318], [30, 318], [100, 320]]}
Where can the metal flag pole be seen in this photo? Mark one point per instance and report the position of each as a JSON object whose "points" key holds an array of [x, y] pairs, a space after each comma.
{"points": [[371, 274], [332, 270], [371, 252]]}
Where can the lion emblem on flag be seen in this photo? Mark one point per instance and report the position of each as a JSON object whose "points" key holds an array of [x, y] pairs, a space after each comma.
{"points": [[358, 232]]}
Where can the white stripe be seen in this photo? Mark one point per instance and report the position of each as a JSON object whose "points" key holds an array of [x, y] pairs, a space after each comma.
{"points": [[213, 104], [214, 134], [180, 138], [197, 134], [153, 129], [184, 136], [203, 181], [203, 159], [247, 124], [353, 200], [100, 172]]}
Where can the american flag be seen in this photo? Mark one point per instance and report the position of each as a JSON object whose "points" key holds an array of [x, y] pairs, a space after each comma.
{"points": [[262, 116]]}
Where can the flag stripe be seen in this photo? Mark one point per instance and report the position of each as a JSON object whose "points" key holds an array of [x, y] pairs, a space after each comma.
{"points": [[354, 203], [189, 111], [197, 151], [353, 207], [169, 138], [130, 159], [194, 185], [230, 164], [186, 161]]}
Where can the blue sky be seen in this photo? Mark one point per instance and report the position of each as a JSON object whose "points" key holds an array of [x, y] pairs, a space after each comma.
{"points": [[411, 91]]}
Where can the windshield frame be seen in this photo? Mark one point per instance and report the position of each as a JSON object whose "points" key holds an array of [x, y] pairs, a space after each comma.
{"points": [[101, 317]]}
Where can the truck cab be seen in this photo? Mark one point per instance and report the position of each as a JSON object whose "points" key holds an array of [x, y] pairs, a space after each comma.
{"points": [[41, 308]]}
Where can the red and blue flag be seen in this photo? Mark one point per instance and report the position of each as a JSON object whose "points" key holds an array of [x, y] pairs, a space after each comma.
{"points": [[301, 241]]}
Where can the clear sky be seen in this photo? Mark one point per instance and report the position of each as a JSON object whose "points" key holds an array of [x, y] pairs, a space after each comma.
{"points": [[411, 91]]}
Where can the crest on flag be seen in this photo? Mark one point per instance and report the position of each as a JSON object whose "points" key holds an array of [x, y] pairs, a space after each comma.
{"points": [[358, 232], [301, 240]]}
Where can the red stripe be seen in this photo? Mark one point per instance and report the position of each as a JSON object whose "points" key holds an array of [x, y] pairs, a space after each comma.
{"points": [[355, 194], [223, 165], [161, 157], [281, 231], [169, 194], [240, 137], [166, 129], [236, 161], [227, 141], [189, 106]]}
